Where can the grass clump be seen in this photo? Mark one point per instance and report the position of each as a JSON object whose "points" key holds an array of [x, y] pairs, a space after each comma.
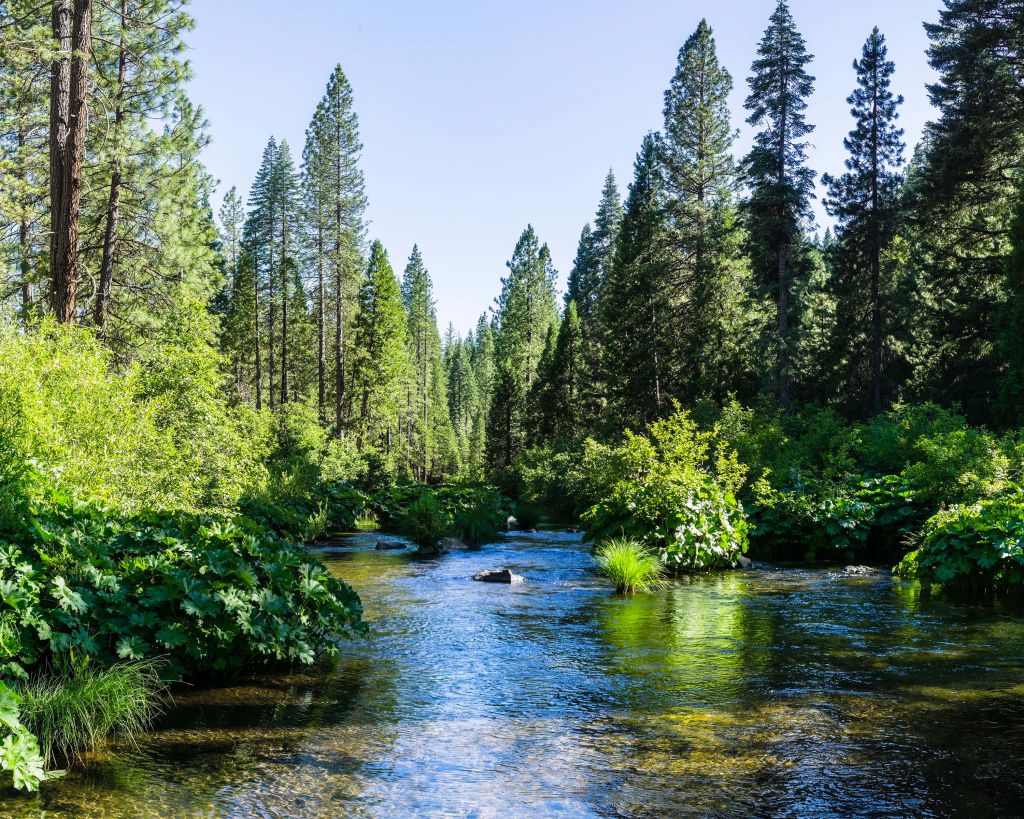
{"points": [[629, 565], [72, 714]]}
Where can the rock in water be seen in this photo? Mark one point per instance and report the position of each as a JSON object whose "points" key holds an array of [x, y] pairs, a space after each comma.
{"points": [[745, 562], [389, 545], [498, 576], [449, 543], [860, 570]]}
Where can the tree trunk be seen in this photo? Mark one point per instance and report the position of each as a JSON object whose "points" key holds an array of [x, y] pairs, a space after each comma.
{"points": [[69, 116], [114, 199]]}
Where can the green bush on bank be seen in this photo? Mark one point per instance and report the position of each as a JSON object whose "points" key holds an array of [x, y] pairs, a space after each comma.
{"points": [[977, 548], [674, 492], [473, 513], [208, 593], [159, 436], [824, 487]]}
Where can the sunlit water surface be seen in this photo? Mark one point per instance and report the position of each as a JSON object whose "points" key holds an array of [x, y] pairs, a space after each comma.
{"points": [[774, 692]]}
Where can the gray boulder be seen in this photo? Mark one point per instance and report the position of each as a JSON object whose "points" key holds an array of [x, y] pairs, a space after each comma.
{"points": [[389, 545], [498, 576], [745, 562]]}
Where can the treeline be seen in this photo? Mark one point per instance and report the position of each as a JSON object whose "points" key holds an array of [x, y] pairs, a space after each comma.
{"points": [[706, 284], [709, 283], [314, 316]]}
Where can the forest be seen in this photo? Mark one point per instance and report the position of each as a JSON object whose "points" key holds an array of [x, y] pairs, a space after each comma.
{"points": [[188, 398]]}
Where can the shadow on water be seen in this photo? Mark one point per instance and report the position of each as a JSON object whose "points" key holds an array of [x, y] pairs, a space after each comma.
{"points": [[777, 692]]}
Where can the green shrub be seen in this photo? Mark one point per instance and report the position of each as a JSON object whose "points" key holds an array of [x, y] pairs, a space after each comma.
{"points": [[474, 513], [425, 523], [564, 483], [208, 593], [73, 712], [156, 437], [974, 548], [629, 565], [674, 492], [527, 515]]}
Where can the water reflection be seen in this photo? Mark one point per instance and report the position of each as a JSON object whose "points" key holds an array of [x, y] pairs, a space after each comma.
{"points": [[774, 693]]}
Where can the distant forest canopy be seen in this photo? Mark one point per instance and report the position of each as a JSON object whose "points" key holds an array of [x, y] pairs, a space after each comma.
{"points": [[705, 284]]}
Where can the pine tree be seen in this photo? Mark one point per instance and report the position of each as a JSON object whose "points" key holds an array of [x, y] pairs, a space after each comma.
{"points": [[583, 267], [700, 179], [24, 173], [286, 192], [568, 378], [69, 117], [464, 401], [864, 201], [336, 181], [539, 419], [1011, 391], [504, 426], [381, 354], [635, 300], [777, 174], [526, 307], [232, 218], [962, 200], [142, 78], [260, 247], [431, 438]]}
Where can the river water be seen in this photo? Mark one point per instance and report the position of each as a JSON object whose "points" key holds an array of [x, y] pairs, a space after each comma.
{"points": [[772, 692]]}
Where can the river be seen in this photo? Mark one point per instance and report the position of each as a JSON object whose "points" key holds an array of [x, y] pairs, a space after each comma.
{"points": [[771, 692]]}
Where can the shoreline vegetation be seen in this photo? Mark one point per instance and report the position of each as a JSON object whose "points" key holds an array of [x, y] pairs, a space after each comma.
{"points": [[185, 401]]}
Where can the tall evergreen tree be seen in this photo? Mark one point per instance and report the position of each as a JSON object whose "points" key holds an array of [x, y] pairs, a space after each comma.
{"points": [[24, 173], [260, 247], [381, 354], [232, 219], [333, 174], [568, 379], [636, 300], [526, 307], [1011, 392], [962, 199], [700, 179], [864, 201], [777, 174], [430, 435]]}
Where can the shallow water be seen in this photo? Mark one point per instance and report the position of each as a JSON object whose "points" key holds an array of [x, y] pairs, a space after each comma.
{"points": [[774, 692]]}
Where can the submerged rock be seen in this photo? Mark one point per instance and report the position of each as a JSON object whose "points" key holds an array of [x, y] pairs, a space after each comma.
{"points": [[389, 545], [498, 576]]}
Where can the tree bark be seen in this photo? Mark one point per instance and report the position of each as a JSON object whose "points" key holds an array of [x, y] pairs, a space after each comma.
{"points": [[69, 116]]}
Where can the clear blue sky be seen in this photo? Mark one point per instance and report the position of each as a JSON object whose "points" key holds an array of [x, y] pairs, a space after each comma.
{"points": [[480, 117]]}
